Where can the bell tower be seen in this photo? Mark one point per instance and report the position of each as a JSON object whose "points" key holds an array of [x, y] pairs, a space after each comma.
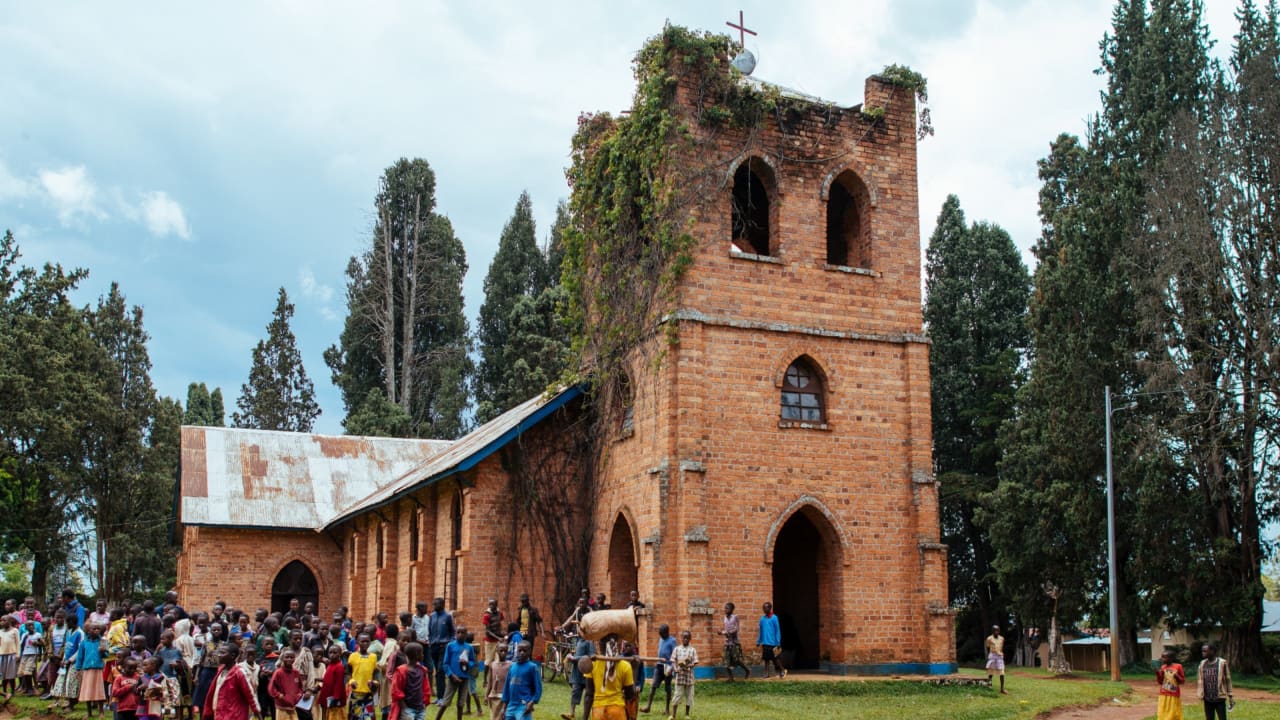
{"points": [[781, 451]]}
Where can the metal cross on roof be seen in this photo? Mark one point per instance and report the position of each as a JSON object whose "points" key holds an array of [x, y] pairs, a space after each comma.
{"points": [[741, 27]]}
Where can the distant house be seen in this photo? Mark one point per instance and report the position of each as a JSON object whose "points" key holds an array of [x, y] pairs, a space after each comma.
{"points": [[1093, 654], [1184, 637]]}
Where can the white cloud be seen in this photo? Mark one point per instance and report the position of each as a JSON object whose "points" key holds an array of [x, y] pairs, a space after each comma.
{"points": [[313, 289], [72, 193], [164, 216], [12, 187]]}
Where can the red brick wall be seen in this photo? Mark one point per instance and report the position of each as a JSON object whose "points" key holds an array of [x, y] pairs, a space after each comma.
{"points": [[711, 474], [238, 565]]}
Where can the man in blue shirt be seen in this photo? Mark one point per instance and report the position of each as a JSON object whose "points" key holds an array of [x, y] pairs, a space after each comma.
{"points": [[662, 670], [73, 606], [439, 632], [523, 688], [769, 639], [578, 682], [457, 659]]}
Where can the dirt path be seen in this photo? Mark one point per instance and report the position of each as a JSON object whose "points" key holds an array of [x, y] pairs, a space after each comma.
{"points": [[1141, 703]]}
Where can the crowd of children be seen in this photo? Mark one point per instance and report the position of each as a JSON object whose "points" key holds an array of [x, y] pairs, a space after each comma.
{"points": [[159, 662], [149, 662]]}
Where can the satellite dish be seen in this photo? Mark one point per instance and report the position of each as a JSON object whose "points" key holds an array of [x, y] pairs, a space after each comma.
{"points": [[745, 62]]}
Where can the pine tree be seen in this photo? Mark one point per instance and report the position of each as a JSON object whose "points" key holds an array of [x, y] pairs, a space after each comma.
{"points": [[1083, 320], [217, 409], [1210, 308], [204, 408], [975, 312], [278, 395], [197, 412], [116, 447], [516, 270], [405, 331], [48, 394]]}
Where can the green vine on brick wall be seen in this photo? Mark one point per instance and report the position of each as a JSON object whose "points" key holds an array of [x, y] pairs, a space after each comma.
{"points": [[630, 243], [904, 77]]}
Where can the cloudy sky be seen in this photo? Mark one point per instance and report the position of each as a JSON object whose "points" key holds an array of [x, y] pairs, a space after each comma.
{"points": [[205, 154]]}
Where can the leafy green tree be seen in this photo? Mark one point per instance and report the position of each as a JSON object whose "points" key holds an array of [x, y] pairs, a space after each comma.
{"points": [[523, 342], [1210, 303], [975, 310], [115, 449], [204, 408], [278, 396], [516, 268], [1085, 332], [405, 331], [379, 417], [48, 393], [217, 409], [197, 412]]}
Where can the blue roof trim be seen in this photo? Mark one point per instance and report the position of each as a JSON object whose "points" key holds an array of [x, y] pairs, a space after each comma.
{"points": [[538, 416], [474, 458]]}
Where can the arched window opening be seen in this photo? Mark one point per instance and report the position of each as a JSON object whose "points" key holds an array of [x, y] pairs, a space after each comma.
{"points": [[848, 232], [382, 545], [802, 394], [627, 396], [752, 191], [455, 517], [294, 581], [413, 535]]}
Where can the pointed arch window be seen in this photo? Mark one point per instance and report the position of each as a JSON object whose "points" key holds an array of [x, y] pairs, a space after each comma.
{"points": [[848, 229], [803, 396], [754, 208]]}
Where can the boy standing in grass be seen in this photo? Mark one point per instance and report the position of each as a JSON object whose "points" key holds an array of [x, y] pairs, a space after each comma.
{"points": [[685, 658], [1170, 677], [995, 656], [769, 638], [732, 647]]}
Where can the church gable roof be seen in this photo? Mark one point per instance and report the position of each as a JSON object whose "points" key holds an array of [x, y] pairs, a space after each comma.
{"points": [[233, 477], [465, 453]]}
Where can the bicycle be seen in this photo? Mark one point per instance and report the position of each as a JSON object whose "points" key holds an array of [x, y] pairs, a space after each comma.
{"points": [[557, 657]]}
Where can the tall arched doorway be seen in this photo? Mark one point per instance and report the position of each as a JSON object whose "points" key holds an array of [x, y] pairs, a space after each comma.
{"points": [[622, 562], [805, 591], [294, 580]]}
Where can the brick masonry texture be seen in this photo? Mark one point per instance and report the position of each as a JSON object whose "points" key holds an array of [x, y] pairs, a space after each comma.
{"points": [[692, 499]]}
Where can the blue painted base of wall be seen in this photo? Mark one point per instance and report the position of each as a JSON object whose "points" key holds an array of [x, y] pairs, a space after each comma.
{"points": [[891, 669], [712, 672]]}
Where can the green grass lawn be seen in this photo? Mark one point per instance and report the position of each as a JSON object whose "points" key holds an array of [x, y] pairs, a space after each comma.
{"points": [[794, 699], [1267, 683]]}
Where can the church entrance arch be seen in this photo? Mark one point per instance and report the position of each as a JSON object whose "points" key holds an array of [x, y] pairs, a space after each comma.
{"points": [[805, 586], [623, 576], [294, 580]]}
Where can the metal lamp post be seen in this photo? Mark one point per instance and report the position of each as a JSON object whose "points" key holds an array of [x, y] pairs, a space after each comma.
{"points": [[1111, 543]]}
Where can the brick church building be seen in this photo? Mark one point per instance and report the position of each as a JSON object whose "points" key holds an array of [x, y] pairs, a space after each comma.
{"points": [[781, 452]]}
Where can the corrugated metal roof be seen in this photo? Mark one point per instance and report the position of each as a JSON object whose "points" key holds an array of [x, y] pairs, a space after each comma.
{"points": [[255, 478], [465, 453]]}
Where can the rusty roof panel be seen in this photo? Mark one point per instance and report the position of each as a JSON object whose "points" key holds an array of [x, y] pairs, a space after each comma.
{"points": [[285, 479], [464, 453]]}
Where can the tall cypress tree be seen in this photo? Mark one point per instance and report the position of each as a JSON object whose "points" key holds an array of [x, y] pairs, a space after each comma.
{"points": [[217, 409], [197, 410], [405, 333], [975, 309], [49, 391], [516, 270], [204, 408], [278, 395], [1210, 308], [1083, 322]]}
